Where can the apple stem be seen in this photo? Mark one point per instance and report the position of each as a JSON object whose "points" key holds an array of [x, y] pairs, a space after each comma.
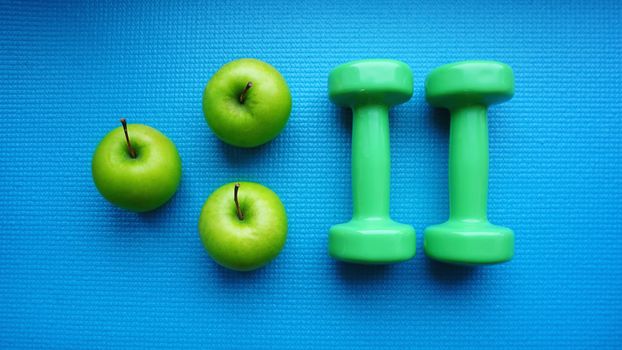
{"points": [[127, 138], [243, 94], [237, 204]]}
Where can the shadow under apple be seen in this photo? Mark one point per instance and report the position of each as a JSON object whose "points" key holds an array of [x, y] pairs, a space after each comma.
{"points": [[236, 155]]}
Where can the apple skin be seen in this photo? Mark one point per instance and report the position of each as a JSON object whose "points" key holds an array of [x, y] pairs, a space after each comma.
{"points": [[247, 244], [137, 184], [264, 112]]}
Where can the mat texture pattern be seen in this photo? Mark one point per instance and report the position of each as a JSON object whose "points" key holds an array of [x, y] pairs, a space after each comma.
{"points": [[77, 273]]}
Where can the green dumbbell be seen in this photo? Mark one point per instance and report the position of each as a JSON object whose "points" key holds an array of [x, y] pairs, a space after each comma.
{"points": [[370, 87], [466, 89]]}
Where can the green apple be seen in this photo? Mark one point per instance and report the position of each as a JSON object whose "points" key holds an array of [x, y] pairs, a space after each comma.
{"points": [[246, 230], [136, 167], [247, 103]]}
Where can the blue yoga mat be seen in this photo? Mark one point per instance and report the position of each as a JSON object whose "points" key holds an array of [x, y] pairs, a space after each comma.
{"points": [[78, 273]]}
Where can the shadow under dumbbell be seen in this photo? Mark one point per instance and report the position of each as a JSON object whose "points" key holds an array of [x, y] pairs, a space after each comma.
{"points": [[345, 119], [450, 274], [361, 273], [439, 118]]}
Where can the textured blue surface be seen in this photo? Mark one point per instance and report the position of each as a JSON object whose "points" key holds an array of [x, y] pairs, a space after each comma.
{"points": [[76, 272]]}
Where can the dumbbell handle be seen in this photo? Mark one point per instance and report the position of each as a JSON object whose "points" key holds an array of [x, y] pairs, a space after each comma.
{"points": [[371, 161], [468, 164]]}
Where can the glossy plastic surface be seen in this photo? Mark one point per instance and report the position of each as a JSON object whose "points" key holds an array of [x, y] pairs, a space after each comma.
{"points": [[370, 87], [467, 237], [470, 82]]}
